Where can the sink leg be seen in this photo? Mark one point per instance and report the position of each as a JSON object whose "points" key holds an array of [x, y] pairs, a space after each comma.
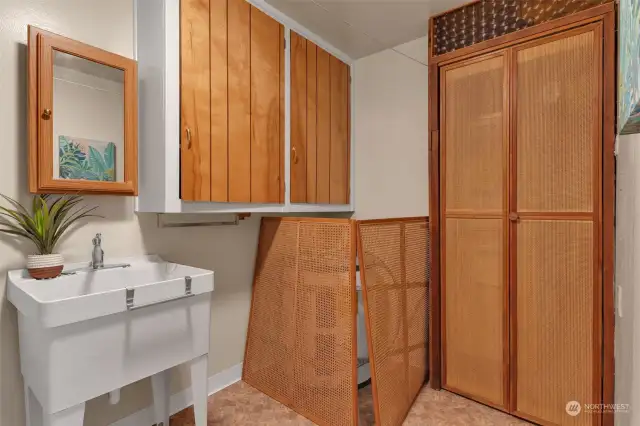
{"points": [[73, 416], [28, 405], [199, 389], [161, 392]]}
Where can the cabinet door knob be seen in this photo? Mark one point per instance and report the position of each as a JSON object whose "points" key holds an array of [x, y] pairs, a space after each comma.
{"points": [[295, 155], [188, 138], [514, 217], [46, 114]]}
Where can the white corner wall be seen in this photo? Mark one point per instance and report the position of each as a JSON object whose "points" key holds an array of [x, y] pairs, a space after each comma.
{"points": [[391, 132]]}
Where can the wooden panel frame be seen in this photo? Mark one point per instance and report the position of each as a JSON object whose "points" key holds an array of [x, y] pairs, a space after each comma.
{"points": [[41, 45], [360, 253], [607, 15]]}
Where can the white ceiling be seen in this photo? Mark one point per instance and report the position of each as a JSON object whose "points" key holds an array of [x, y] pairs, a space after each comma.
{"points": [[362, 27]]}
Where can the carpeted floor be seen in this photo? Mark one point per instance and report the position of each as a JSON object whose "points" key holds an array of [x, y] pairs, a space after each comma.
{"points": [[240, 404]]}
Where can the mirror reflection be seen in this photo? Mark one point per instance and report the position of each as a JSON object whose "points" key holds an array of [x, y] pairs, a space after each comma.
{"points": [[88, 124]]}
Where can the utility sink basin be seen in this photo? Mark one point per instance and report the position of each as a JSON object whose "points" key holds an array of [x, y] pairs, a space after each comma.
{"points": [[85, 293], [87, 333]]}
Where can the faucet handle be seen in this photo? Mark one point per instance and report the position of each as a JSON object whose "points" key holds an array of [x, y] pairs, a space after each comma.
{"points": [[97, 240]]}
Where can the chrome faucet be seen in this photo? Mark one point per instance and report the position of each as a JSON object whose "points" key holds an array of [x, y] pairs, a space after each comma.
{"points": [[97, 256]]}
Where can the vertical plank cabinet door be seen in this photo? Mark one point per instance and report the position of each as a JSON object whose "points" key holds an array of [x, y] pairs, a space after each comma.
{"points": [[556, 271], [265, 108], [320, 125], [195, 92], [474, 159]]}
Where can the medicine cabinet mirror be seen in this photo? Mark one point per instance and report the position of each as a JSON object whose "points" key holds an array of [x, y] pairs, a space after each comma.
{"points": [[82, 118]]}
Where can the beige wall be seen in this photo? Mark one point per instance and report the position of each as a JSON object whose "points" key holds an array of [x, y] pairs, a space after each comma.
{"points": [[391, 133], [229, 251], [627, 277]]}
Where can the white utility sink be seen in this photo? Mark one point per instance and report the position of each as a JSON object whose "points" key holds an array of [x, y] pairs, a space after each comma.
{"points": [[92, 332]]}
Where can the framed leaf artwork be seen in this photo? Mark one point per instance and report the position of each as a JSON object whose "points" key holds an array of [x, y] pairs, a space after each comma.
{"points": [[86, 159]]}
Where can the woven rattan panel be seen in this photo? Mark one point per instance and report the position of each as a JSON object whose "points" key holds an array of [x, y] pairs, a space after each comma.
{"points": [[557, 83], [474, 315], [393, 256], [268, 365], [555, 319], [301, 344], [474, 135], [487, 19]]}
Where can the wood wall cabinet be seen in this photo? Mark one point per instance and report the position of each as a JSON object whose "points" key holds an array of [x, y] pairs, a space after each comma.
{"points": [[521, 163], [217, 131], [232, 102], [320, 125]]}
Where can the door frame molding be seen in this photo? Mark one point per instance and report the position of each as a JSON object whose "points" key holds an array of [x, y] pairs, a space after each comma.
{"points": [[606, 14]]}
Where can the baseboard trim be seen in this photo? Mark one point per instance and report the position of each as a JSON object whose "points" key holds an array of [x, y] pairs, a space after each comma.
{"points": [[184, 399]]}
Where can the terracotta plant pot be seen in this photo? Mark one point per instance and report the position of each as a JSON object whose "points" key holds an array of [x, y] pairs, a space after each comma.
{"points": [[45, 266]]}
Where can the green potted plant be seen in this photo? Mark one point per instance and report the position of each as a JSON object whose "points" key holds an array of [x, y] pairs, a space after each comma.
{"points": [[44, 225]]}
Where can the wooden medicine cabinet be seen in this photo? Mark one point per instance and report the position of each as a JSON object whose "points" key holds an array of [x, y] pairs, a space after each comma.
{"points": [[82, 118]]}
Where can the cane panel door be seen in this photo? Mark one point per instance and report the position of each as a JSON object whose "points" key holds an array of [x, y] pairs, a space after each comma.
{"points": [[474, 167], [556, 271]]}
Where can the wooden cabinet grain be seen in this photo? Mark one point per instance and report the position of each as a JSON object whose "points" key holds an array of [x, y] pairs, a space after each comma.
{"points": [[195, 112], [320, 125]]}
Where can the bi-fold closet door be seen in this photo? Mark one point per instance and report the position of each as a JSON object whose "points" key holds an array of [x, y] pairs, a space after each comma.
{"points": [[521, 140]]}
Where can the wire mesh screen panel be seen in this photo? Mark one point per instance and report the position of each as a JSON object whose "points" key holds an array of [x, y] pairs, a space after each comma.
{"points": [[301, 343], [393, 257], [487, 19], [555, 320]]}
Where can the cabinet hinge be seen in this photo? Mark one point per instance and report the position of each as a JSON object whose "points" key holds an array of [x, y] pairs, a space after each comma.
{"points": [[285, 44]]}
